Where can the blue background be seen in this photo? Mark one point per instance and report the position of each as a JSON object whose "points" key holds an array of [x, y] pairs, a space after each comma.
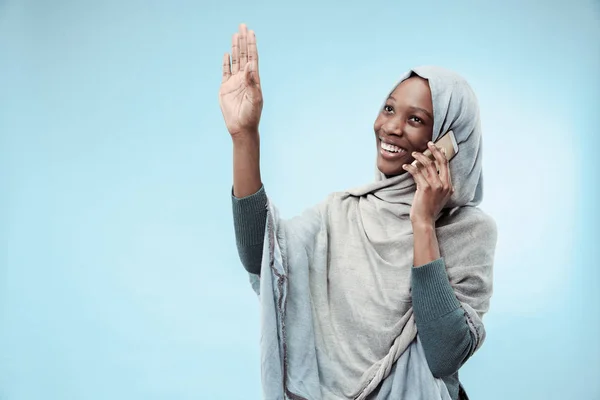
{"points": [[119, 277]]}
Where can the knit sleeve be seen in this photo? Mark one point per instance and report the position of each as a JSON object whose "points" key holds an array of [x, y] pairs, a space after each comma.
{"points": [[441, 321], [249, 221]]}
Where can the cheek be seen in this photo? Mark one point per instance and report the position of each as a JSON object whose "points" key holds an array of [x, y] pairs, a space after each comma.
{"points": [[420, 138], [378, 123]]}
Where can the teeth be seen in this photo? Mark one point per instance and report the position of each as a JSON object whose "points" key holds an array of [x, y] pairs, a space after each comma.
{"points": [[391, 148]]}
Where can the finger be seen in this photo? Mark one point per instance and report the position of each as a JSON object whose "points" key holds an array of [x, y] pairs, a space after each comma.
{"points": [[426, 165], [449, 178], [253, 56], [226, 67], [249, 76], [429, 171], [243, 46], [417, 175], [439, 155], [235, 55], [442, 163]]}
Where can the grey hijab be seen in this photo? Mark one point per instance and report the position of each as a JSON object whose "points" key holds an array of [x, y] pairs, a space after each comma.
{"points": [[336, 311], [454, 107]]}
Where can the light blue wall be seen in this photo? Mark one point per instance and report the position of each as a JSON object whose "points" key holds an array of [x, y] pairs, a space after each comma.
{"points": [[119, 277]]}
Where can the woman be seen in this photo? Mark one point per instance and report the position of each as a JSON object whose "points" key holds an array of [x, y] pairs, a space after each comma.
{"points": [[377, 292]]}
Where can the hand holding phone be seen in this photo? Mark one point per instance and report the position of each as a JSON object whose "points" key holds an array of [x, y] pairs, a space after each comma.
{"points": [[447, 144]]}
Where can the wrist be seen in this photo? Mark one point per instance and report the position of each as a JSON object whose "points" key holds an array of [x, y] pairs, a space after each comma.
{"points": [[423, 224], [426, 248], [246, 145], [246, 136]]}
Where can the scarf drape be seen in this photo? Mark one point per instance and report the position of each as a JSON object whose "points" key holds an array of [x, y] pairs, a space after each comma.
{"points": [[336, 311]]}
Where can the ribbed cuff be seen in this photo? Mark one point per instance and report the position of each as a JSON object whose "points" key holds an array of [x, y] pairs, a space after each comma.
{"points": [[249, 217], [432, 294]]}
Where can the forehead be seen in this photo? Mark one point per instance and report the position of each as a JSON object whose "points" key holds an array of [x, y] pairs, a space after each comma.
{"points": [[413, 91]]}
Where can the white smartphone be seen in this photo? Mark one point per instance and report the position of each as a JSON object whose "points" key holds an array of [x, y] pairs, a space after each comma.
{"points": [[446, 143]]}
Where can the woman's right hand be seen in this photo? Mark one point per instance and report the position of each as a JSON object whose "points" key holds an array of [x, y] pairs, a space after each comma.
{"points": [[240, 95]]}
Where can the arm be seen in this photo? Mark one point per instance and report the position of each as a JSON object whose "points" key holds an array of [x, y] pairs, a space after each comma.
{"points": [[240, 98], [246, 164], [441, 322], [249, 221]]}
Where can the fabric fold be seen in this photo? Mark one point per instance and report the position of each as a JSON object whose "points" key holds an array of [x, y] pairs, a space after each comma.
{"points": [[335, 285]]}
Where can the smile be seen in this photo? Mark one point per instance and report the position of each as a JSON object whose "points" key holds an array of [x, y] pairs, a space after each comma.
{"points": [[390, 148]]}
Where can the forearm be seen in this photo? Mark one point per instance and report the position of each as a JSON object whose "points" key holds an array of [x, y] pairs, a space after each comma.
{"points": [[425, 247], [249, 220], [441, 321], [246, 165]]}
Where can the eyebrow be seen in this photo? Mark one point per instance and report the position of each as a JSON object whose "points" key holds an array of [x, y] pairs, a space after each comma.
{"points": [[416, 108]]}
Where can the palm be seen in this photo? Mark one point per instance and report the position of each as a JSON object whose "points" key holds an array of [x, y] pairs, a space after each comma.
{"points": [[240, 95]]}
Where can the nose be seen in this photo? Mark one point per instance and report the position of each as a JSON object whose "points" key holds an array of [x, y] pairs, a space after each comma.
{"points": [[393, 126]]}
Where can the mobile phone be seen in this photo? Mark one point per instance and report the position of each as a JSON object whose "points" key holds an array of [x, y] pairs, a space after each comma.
{"points": [[447, 144]]}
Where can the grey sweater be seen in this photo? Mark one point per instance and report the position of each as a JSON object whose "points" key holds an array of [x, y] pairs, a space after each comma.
{"points": [[441, 321]]}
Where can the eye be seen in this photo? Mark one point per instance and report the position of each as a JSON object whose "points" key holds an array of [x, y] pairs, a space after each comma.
{"points": [[416, 119], [388, 109]]}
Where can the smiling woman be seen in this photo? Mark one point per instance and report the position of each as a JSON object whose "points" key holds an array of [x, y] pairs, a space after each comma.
{"points": [[379, 291], [404, 125]]}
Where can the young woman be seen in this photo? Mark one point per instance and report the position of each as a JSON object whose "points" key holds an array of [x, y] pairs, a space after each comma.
{"points": [[378, 292]]}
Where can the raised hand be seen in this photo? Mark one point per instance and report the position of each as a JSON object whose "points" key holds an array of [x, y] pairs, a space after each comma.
{"points": [[240, 95], [434, 188]]}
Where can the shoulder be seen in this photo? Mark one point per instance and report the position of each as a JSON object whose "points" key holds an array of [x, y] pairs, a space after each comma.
{"points": [[331, 202], [473, 221]]}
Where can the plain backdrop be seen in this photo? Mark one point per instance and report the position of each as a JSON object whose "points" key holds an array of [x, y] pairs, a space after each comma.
{"points": [[119, 277]]}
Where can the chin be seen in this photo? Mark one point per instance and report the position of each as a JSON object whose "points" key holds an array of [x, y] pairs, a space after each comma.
{"points": [[389, 169]]}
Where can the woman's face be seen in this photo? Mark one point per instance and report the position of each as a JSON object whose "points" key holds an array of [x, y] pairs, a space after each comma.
{"points": [[404, 125]]}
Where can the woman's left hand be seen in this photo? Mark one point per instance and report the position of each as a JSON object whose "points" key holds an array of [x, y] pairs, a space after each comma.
{"points": [[433, 189]]}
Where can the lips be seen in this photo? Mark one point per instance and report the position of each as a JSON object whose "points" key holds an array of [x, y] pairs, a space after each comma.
{"points": [[391, 147]]}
